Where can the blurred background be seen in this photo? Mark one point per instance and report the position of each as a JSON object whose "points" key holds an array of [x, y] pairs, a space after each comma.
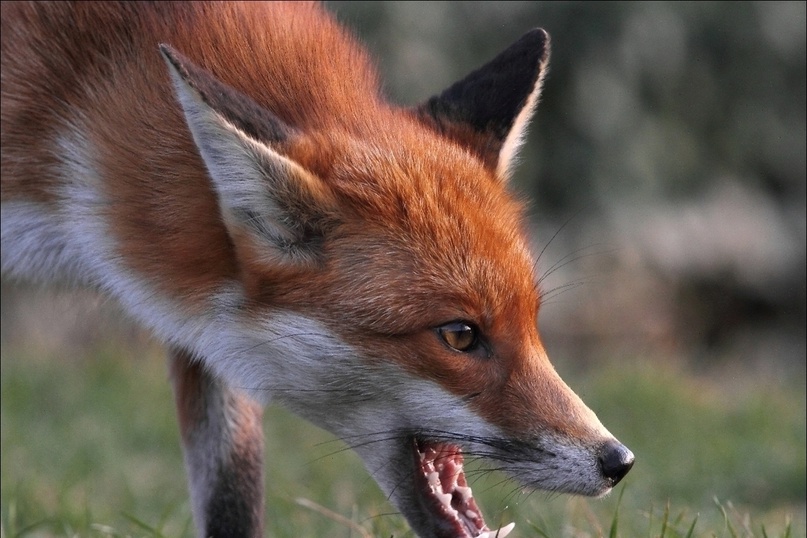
{"points": [[665, 170]]}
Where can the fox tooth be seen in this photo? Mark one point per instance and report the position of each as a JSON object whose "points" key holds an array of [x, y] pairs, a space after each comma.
{"points": [[498, 533]]}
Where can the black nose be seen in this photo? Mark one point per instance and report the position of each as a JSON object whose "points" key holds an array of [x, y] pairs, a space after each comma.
{"points": [[615, 461]]}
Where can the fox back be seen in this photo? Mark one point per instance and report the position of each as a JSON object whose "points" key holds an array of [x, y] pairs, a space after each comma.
{"points": [[232, 175]]}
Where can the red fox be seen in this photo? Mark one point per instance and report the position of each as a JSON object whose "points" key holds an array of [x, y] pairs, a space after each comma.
{"points": [[231, 174]]}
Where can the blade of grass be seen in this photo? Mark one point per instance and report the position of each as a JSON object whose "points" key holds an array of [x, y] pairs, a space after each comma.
{"points": [[31, 527], [311, 505], [614, 532], [539, 531], [726, 520], [105, 530], [665, 520], [789, 528], [691, 530], [145, 526]]}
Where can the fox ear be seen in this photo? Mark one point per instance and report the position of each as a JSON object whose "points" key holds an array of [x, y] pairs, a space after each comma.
{"points": [[261, 193], [488, 111]]}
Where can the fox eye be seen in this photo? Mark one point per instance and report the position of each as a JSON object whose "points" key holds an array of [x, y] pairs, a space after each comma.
{"points": [[459, 335]]}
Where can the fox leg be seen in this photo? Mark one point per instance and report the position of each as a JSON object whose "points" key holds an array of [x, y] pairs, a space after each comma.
{"points": [[222, 441]]}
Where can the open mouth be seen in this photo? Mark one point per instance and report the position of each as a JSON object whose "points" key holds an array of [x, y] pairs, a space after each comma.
{"points": [[445, 494]]}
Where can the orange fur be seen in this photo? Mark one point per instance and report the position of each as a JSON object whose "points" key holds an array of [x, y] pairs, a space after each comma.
{"points": [[374, 227]]}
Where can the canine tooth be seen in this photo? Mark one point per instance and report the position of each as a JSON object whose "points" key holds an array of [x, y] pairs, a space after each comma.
{"points": [[470, 514], [498, 533]]}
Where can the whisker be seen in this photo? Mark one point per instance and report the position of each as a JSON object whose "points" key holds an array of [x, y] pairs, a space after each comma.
{"points": [[572, 257], [376, 516], [354, 446], [557, 232], [284, 336], [547, 297]]}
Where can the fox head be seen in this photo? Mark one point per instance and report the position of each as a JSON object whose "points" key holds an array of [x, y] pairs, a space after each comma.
{"points": [[388, 291]]}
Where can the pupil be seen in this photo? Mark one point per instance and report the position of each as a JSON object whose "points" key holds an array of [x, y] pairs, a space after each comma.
{"points": [[459, 336]]}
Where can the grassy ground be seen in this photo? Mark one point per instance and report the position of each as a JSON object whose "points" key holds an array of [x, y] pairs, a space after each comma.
{"points": [[90, 448]]}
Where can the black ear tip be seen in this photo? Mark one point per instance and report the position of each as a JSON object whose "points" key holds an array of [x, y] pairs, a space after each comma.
{"points": [[169, 53], [176, 60], [539, 34], [538, 38]]}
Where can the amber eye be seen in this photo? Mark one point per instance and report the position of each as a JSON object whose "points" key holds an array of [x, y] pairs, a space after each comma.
{"points": [[459, 335]]}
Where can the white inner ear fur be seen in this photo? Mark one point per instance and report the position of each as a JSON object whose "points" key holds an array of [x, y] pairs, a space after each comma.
{"points": [[508, 155], [248, 175]]}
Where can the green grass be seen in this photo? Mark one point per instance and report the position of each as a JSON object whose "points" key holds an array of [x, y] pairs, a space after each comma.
{"points": [[90, 448]]}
